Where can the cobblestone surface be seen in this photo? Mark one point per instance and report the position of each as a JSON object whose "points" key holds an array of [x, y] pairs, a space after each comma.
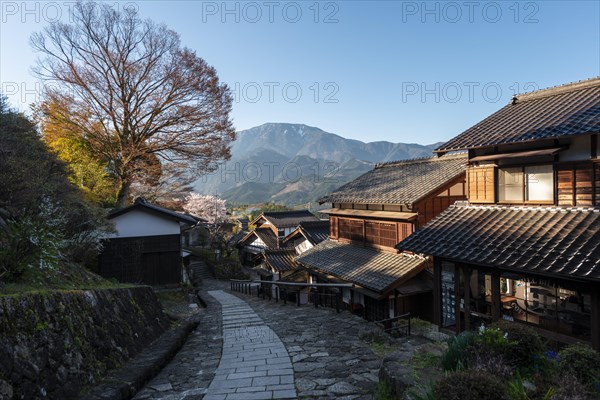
{"points": [[328, 359], [191, 371]]}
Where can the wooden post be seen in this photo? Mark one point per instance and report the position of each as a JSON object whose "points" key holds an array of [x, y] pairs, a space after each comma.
{"points": [[297, 298], [595, 317], [466, 273], [437, 291], [495, 295], [457, 298]]}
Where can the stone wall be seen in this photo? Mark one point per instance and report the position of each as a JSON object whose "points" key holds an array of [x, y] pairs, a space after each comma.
{"points": [[55, 344]]}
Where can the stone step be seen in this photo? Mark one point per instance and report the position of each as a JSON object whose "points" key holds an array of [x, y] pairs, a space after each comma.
{"points": [[200, 271]]}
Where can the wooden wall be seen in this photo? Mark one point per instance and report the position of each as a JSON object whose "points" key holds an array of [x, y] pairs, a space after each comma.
{"points": [[436, 203], [152, 260], [481, 184], [367, 232], [578, 184]]}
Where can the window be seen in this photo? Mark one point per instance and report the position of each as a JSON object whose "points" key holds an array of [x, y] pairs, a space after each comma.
{"points": [[381, 234], [521, 184], [351, 229]]}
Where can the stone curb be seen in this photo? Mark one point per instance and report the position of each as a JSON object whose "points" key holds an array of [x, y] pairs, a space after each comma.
{"points": [[126, 381]]}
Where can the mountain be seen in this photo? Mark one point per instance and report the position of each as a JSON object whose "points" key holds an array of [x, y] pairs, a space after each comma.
{"points": [[294, 163]]}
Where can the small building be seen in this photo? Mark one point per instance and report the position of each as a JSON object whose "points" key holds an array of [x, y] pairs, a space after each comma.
{"points": [[270, 230], [526, 245], [277, 264], [369, 216], [307, 235], [146, 247]]}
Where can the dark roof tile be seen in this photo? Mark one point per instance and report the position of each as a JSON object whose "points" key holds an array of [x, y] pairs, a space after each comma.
{"points": [[282, 260], [313, 231], [567, 110], [401, 182], [141, 204], [562, 242], [369, 268], [287, 219]]}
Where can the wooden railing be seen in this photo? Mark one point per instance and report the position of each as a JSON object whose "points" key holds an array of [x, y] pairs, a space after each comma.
{"points": [[397, 326], [282, 290]]}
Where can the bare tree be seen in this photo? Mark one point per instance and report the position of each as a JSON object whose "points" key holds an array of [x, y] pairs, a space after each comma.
{"points": [[133, 93]]}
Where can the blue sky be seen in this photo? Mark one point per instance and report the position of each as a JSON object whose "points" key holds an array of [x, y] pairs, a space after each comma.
{"points": [[402, 71]]}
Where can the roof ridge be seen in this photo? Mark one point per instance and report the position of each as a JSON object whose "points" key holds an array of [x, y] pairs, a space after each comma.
{"points": [[284, 212], [418, 160], [552, 208], [558, 89]]}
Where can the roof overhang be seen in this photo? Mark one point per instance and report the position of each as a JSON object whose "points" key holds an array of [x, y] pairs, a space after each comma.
{"points": [[371, 213], [520, 154]]}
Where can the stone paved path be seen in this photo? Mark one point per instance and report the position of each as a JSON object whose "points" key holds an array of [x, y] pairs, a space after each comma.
{"points": [[192, 370], [255, 364], [313, 353]]}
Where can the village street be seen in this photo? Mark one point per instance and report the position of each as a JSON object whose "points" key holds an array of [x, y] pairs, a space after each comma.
{"points": [[249, 348]]}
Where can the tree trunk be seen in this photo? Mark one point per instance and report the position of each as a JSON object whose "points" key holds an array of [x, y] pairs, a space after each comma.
{"points": [[123, 193]]}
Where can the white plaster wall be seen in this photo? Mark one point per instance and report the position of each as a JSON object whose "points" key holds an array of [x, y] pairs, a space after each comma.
{"points": [[578, 150], [139, 223], [258, 243], [303, 246]]}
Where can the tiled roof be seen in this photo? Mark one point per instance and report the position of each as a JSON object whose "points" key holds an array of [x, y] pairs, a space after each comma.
{"points": [[282, 260], [567, 110], [313, 231], [539, 240], [237, 237], [317, 231], [362, 266], [266, 235], [299, 276], [287, 219], [401, 182], [141, 204]]}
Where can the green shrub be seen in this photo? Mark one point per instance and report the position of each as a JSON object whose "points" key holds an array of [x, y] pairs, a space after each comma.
{"points": [[581, 361], [523, 346], [470, 385], [569, 387], [459, 351]]}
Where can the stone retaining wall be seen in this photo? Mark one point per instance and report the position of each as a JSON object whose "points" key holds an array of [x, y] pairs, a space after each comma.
{"points": [[54, 345]]}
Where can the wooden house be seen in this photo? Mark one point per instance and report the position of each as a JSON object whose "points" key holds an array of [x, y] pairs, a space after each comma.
{"points": [[369, 216], [526, 245], [146, 247], [270, 230], [280, 265], [307, 235]]}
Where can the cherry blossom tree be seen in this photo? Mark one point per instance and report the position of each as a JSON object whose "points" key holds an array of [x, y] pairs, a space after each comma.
{"points": [[210, 208]]}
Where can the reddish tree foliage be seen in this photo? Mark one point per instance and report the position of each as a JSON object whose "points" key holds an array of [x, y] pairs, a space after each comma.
{"points": [[132, 92]]}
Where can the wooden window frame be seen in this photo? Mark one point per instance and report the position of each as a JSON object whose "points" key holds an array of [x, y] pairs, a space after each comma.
{"points": [[522, 167]]}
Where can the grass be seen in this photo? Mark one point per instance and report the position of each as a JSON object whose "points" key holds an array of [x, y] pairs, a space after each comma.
{"points": [[66, 277], [382, 349], [384, 391], [425, 360]]}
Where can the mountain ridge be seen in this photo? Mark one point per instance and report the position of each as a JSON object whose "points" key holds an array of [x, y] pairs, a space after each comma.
{"points": [[296, 163]]}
